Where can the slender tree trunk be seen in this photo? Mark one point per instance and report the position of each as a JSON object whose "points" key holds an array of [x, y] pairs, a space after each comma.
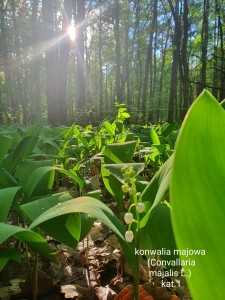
{"points": [[36, 84], [160, 89], [184, 62], [138, 55], [50, 62], [148, 62], [4, 55], [205, 39], [64, 62], [80, 26], [100, 65], [118, 46], [126, 68], [222, 53], [175, 62], [18, 68]]}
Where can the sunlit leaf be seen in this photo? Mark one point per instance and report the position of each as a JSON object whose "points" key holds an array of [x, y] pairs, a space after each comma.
{"points": [[154, 136], [60, 228], [96, 209], [120, 152], [197, 193]]}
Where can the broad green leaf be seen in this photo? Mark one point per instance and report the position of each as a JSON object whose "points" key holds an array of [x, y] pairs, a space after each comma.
{"points": [[113, 178], [86, 225], [25, 147], [73, 175], [29, 237], [33, 187], [7, 196], [115, 169], [113, 186], [169, 129], [160, 231], [95, 194], [27, 167], [120, 152], [58, 228], [5, 142], [109, 128], [154, 136], [157, 189], [6, 179], [8, 254], [96, 209], [23, 151], [197, 195]]}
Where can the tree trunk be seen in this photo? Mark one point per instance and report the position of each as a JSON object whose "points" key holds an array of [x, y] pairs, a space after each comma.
{"points": [[148, 62], [175, 62], [64, 62], [184, 63], [160, 88], [118, 46], [138, 55], [50, 62], [80, 20], [100, 64], [126, 68], [204, 38], [6, 91], [36, 84], [222, 53]]}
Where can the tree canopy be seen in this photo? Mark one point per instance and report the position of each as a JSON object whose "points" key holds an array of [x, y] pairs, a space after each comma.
{"points": [[154, 56]]}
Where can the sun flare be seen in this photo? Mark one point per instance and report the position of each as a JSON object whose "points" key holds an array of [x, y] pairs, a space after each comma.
{"points": [[72, 32]]}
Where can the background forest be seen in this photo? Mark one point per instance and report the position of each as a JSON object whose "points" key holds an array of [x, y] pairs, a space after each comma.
{"points": [[155, 56]]}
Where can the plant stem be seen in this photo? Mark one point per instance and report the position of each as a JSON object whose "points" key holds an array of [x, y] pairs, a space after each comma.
{"points": [[137, 279], [138, 262], [35, 278], [28, 264]]}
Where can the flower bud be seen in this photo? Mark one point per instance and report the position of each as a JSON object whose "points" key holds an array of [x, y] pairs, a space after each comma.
{"points": [[128, 217], [132, 191], [125, 188], [129, 236], [127, 179], [140, 207]]}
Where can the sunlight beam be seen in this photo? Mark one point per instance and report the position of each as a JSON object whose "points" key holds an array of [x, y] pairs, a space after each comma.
{"points": [[72, 32]]}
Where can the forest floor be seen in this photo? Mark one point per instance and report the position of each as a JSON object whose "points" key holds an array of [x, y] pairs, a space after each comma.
{"points": [[96, 269]]}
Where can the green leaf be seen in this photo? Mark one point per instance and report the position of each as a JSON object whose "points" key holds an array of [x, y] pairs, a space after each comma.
{"points": [[157, 189], [115, 169], [120, 152], [154, 137], [7, 254], [7, 196], [6, 179], [113, 186], [96, 209], [5, 142], [60, 228], [161, 231], [71, 173], [113, 178], [109, 128], [25, 147], [197, 195], [29, 237], [38, 183], [27, 167]]}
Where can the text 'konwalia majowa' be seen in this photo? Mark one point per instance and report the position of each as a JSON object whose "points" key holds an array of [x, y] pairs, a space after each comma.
{"points": [[167, 252]]}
